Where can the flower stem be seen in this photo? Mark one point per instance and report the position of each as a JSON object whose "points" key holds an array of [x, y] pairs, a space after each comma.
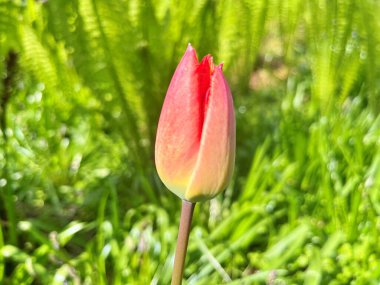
{"points": [[182, 241]]}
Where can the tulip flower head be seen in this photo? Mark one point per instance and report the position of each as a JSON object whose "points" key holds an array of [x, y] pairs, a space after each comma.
{"points": [[195, 143]]}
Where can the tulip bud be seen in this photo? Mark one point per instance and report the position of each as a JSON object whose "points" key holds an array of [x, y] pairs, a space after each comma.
{"points": [[195, 143]]}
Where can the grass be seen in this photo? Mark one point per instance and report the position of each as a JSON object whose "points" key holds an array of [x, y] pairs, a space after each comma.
{"points": [[80, 199]]}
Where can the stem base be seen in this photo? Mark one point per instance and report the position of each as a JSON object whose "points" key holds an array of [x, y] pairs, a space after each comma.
{"points": [[182, 241]]}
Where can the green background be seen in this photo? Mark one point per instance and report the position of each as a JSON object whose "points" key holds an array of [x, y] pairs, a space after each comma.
{"points": [[82, 85]]}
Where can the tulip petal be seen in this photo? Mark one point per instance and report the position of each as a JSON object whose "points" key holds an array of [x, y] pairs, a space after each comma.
{"points": [[216, 155], [180, 125]]}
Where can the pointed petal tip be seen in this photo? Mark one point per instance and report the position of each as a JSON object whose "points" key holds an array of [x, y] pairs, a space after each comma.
{"points": [[189, 47], [208, 61], [211, 60], [190, 51], [208, 58]]}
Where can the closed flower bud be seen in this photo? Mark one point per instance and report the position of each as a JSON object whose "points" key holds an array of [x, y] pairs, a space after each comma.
{"points": [[195, 143]]}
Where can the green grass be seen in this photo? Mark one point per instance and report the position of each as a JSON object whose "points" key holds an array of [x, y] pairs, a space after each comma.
{"points": [[81, 202]]}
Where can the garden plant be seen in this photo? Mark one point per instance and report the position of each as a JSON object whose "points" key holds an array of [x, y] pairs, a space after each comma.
{"points": [[82, 86]]}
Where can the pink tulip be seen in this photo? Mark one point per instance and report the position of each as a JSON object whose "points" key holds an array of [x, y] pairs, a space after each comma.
{"points": [[195, 144]]}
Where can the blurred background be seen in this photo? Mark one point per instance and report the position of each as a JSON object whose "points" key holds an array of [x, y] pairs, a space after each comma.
{"points": [[82, 85]]}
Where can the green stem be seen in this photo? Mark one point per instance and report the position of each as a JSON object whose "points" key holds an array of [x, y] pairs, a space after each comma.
{"points": [[182, 241]]}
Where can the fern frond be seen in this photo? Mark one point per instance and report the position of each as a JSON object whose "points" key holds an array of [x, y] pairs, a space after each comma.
{"points": [[37, 59]]}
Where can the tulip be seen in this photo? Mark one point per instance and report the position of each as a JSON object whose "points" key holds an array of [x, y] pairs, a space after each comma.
{"points": [[195, 144]]}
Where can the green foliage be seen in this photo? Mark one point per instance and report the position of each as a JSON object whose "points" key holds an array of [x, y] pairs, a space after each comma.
{"points": [[80, 199]]}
